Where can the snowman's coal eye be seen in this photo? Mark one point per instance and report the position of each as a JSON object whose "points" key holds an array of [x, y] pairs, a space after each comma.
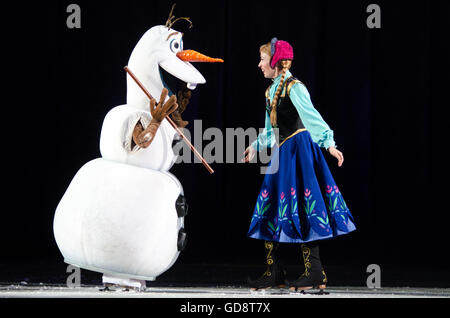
{"points": [[175, 46]]}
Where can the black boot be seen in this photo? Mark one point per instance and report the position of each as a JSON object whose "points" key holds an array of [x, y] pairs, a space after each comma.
{"points": [[314, 275], [274, 276]]}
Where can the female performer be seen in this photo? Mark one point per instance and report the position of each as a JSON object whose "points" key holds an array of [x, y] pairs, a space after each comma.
{"points": [[299, 201]]}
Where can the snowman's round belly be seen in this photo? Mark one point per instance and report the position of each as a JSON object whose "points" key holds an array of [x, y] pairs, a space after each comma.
{"points": [[120, 219]]}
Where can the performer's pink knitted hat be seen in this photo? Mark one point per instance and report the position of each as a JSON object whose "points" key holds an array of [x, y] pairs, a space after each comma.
{"points": [[281, 50]]}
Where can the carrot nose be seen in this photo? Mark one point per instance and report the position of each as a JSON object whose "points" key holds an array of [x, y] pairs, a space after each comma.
{"points": [[193, 56]]}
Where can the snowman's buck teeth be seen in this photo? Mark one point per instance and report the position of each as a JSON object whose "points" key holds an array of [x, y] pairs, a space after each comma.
{"points": [[191, 86]]}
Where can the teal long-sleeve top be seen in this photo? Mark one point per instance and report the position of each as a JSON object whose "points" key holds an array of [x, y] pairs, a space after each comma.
{"points": [[311, 118]]}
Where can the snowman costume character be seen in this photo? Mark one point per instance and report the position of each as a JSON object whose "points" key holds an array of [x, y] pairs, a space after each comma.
{"points": [[123, 214]]}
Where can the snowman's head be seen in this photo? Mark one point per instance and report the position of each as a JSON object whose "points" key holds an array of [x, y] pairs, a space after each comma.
{"points": [[159, 60]]}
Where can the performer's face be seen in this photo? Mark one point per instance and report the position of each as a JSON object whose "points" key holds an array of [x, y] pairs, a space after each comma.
{"points": [[264, 65]]}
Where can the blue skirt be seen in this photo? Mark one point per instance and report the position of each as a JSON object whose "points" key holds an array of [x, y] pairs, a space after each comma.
{"points": [[299, 201]]}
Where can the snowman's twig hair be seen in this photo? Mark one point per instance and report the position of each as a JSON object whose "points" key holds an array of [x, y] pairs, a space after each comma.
{"points": [[170, 23]]}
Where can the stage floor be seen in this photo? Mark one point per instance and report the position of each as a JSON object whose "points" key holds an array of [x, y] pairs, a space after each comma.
{"points": [[48, 279], [43, 291]]}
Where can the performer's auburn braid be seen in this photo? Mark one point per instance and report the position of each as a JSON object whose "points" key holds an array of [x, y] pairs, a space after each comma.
{"points": [[285, 65]]}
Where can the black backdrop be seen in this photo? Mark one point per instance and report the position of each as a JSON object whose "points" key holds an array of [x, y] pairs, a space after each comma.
{"points": [[383, 92]]}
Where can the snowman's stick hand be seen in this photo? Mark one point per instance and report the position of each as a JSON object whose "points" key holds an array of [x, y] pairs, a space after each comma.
{"points": [[146, 92]]}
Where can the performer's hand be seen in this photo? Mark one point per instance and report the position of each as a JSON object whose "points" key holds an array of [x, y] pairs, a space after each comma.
{"points": [[337, 154], [183, 101], [248, 154], [144, 137], [160, 111]]}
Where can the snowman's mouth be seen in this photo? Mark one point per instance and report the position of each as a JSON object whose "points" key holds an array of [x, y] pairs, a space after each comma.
{"points": [[173, 83], [181, 90]]}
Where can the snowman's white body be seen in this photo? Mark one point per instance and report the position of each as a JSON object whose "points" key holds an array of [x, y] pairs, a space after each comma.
{"points": [[118, 215]]}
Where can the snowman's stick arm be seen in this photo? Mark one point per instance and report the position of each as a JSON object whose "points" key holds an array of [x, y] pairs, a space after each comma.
{"points": [[146, 92]]}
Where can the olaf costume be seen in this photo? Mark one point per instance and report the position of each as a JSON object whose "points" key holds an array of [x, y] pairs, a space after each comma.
{"points": [[123, 214]]}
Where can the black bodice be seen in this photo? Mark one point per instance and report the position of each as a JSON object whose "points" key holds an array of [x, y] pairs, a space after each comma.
{"points": [[288, 119]]}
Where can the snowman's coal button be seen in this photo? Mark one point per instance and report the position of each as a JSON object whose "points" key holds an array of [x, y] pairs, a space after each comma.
{"points": [[177, 147], [181, 206], [181, 239]]}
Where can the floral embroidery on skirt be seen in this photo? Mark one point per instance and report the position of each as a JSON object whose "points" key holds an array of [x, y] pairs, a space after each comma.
{"points": [[300, 202]]}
